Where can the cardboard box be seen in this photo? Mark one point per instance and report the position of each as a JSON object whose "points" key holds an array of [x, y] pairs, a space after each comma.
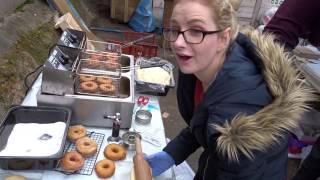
{"points": [[122, 10]]}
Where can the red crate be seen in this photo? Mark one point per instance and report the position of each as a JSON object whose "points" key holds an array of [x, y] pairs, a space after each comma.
{"points": [[146, 48]]}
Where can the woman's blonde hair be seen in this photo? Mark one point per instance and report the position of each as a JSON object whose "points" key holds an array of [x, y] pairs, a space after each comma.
{"points": [[225, 15]]}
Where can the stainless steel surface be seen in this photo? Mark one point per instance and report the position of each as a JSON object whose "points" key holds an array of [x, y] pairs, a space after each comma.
{"points": [[57, 82], [143, 117], [90, 110], [113, 84], [103, 47]]}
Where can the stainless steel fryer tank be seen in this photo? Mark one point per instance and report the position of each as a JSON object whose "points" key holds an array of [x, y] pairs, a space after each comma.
{"points": [[90, 110]]}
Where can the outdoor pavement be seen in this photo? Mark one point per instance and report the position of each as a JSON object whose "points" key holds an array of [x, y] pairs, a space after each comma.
{"points": [[8, 6]]}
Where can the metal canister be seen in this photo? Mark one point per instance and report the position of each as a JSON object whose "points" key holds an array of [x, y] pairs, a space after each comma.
{"points": [[143, 117], [129, 140]]}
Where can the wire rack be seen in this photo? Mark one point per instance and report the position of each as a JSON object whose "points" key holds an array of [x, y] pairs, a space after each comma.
{"points": [[89, 163], [104, 85], [96, 67]]}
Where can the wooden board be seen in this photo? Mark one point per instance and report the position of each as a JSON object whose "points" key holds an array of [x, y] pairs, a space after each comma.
{"points": [[122, 10], [64, 8]]}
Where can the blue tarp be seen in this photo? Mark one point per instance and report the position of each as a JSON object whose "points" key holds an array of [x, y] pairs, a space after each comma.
{"points": [[142, 19]]}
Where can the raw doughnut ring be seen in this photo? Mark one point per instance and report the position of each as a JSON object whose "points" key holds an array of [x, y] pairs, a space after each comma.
{"points": [[105, 168], [107, 88], [89, 86], [76, 132], [86, 146], [91, 63], [112, 65], [104, 80], [103, 58], [94, 57], [84, 78], [115, 152], [72, 161], [113, 58], [15, 177]]}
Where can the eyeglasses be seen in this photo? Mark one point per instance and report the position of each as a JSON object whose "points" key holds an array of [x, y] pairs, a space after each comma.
{"points": [[191, 36]]}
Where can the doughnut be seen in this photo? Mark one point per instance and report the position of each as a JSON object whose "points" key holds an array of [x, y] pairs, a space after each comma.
{"points": [[113, 58], [84, 78], [107, 88], [95, 57], [91, 64], [112, 65], [115, 152], [104, 80], [76, 132], [103, 58], [72, 161], [89, 86], [105, 168], [86, 146], [15, 177], [20, 164]]}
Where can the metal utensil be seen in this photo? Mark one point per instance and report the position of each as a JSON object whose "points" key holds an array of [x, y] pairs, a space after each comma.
{"points": [[129, 139], [143, 117]]}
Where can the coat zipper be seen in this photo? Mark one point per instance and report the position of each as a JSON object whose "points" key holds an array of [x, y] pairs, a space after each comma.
{"points": [[205, 168]]}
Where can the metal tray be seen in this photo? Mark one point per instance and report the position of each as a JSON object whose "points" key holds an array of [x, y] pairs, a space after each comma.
{"points": [[39, 115]]}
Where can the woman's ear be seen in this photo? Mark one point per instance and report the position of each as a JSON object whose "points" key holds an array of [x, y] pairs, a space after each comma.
{"points": [[224, 39]]}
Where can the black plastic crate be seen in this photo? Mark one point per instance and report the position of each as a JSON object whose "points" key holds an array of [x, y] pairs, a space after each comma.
{"points": [[39, 115]]}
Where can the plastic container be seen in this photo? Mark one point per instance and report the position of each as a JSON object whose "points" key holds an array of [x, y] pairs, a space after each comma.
{"points": [[143, 87], [38, 115]]}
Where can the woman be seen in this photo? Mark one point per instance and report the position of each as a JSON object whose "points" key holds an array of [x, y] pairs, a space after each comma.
{"points": [[238, 95]]}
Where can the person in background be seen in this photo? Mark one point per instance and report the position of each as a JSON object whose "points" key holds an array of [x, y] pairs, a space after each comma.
{"points": [[310, 167], [266, 17], [296, 19], [293, 20], [238, 94]]}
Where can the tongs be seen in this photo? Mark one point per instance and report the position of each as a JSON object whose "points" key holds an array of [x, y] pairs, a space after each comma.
{"points": [[137, 40], [144, 65]]}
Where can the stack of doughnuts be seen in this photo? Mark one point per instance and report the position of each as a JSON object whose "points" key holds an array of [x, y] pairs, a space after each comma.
{"points": [[112, 152], [85, 147], [93, 84]]}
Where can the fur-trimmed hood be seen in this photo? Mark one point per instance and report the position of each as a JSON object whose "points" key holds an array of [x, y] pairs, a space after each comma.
{"points": [[246, 134]]}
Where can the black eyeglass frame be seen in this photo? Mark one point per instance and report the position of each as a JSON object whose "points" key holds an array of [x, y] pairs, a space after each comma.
{"points": [[204, 33]]}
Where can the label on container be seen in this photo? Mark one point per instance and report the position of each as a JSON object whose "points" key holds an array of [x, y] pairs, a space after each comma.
{"points": [[64, 39], [53, 60], [276, 2]]}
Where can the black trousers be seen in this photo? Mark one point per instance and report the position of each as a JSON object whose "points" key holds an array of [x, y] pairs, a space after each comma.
{"points": [[310, 168]]}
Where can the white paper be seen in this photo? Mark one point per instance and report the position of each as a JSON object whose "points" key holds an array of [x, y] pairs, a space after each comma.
{"points": [[25, 139]]}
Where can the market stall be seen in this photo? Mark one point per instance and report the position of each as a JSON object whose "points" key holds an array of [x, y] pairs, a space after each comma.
{"points": [[107, 116]]}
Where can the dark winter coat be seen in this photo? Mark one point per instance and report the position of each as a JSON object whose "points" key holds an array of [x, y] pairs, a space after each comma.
{"points": [[245, 116]]}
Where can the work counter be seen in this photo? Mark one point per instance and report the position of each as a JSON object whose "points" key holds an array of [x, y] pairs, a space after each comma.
{"points": [[154, 130]]}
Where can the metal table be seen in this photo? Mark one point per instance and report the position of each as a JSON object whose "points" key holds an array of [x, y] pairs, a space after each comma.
{"points": [[124, 167]]}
